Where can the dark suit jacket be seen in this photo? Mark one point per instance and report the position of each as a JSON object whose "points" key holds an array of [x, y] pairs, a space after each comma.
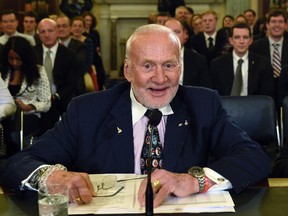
{"points": [[65, 73], [79, 48], [199, 44], [87, 139], [260, 75], [196, 70], [262, 47]]}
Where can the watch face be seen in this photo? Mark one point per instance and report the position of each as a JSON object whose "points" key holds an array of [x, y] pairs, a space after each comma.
{"points": [[196, 171]]}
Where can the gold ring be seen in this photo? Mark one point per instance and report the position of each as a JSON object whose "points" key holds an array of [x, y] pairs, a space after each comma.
{"points": [[156, 184], [78, 200]]}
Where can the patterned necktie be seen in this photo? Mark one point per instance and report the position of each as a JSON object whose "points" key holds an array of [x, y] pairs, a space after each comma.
{"points": [[238, 80], [276, 60], [151, 155], [210, 45], [48, 66]]}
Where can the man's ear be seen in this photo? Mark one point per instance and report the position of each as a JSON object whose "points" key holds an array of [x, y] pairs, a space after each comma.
{"points": [[127, 70]]}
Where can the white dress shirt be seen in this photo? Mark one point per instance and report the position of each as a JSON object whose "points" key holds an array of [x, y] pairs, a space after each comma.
{"points": [[139, 129]]}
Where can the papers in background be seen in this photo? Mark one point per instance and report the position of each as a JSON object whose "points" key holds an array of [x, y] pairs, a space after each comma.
{"points": [[126, 200]]}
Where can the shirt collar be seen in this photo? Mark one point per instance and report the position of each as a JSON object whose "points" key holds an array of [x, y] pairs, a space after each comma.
{"points": [[236, 57], [138, 110], [212, 36], [53, 49], [65, 42], [271, 41]]}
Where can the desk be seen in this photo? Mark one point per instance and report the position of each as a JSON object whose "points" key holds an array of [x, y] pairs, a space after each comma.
{"points": [[268, 201]]}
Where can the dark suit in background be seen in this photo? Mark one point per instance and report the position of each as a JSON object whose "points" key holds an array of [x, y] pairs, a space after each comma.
{"points": [[65, 75], [80, 50], [199, 45], [262, 47], [87, 139], [196, 71], [260, 75]]}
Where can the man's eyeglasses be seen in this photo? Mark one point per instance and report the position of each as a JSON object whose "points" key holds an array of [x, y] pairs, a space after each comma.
{"points": [[107, 187]]}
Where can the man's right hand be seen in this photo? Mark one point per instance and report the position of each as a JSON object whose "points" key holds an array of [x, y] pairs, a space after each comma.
{"points": [[80, 187]]}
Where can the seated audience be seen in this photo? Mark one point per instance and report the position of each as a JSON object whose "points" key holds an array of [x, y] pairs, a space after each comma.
{"points": [[9, 24], [91, 32], [162, 17], [30, 21], [61, 67], [77, 46], [27, 82], [240, 19], [77, 28], [76, 7], [194, 66], [256, 77], [104, 132], [197, 24], [227, 21]]}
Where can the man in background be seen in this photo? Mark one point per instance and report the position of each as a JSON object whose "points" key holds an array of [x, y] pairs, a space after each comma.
{"points": [[30, 21], [9, 23]]}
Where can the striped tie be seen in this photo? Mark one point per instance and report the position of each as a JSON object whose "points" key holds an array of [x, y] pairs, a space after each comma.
{"points": [[276, 61]]}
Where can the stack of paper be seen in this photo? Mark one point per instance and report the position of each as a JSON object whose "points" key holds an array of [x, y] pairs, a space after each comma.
{"points": [[126, 200]]}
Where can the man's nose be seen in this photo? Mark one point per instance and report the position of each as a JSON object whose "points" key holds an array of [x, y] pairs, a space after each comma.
{"points": [[159, 75]]}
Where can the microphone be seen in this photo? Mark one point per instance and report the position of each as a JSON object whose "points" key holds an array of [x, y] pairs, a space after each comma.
{"points": [[154, 119]]}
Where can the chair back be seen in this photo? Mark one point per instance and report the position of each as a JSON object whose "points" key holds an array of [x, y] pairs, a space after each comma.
{"points": [[255, 114], [285, 120]]}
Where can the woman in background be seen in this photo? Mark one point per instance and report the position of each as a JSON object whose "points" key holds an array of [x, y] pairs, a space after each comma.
{"points": [[90, 31], [77, 29], [27, 82]]}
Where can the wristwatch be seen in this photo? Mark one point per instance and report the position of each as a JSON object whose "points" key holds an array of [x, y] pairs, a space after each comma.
{"points": [[199, 173]]}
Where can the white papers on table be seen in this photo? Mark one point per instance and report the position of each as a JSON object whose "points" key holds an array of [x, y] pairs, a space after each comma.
{"points": [[126, 200]]}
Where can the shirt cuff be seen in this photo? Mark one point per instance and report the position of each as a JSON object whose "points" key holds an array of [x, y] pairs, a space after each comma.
{"points": [[221, 183], [25, 183]]}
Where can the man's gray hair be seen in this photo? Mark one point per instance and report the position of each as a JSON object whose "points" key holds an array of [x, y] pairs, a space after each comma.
{"points": [[156, 30]]}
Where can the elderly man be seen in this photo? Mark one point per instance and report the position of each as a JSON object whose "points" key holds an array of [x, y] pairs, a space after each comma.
{"points": [[104, 133]]}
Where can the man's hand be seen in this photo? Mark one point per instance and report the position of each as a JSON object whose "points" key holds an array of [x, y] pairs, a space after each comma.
{"points": [[80, 187], [180, 185]]}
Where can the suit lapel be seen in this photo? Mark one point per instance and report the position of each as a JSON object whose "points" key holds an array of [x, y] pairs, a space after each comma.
{"points": [[252, 75], [119, 127], [177, 130]]}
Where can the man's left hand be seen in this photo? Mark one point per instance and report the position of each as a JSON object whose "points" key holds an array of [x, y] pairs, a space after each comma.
{"points": [[180, 185]]}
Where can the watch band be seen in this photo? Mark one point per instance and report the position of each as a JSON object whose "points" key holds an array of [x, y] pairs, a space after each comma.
{"points": [[198, 173]]}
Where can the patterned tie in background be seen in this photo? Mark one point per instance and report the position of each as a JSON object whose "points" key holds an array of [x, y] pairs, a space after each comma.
{"points": [[156, 147], [276, 60], [238, 80]]}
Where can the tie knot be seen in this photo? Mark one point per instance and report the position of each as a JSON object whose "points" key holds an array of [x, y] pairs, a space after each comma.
{"points": [[240, 61], [48, 52], [276, 45], [210, 39], [154, 116]]}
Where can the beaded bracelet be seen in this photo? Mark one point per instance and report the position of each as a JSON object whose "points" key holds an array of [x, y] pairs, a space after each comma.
{"points": [[43, 179]]}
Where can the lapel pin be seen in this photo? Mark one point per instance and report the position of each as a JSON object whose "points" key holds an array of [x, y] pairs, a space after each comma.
{"points": [[186, 122], [119, 130], [180, 124]]}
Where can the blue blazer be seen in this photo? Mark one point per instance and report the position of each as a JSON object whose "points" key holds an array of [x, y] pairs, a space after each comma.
{"points": [[198, 134]]}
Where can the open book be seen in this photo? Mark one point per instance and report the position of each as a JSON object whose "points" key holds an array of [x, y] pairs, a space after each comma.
{"points": [[122, 199]]}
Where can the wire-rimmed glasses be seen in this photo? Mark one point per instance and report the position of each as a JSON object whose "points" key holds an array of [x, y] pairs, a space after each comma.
{"points": [[107, 187]]}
